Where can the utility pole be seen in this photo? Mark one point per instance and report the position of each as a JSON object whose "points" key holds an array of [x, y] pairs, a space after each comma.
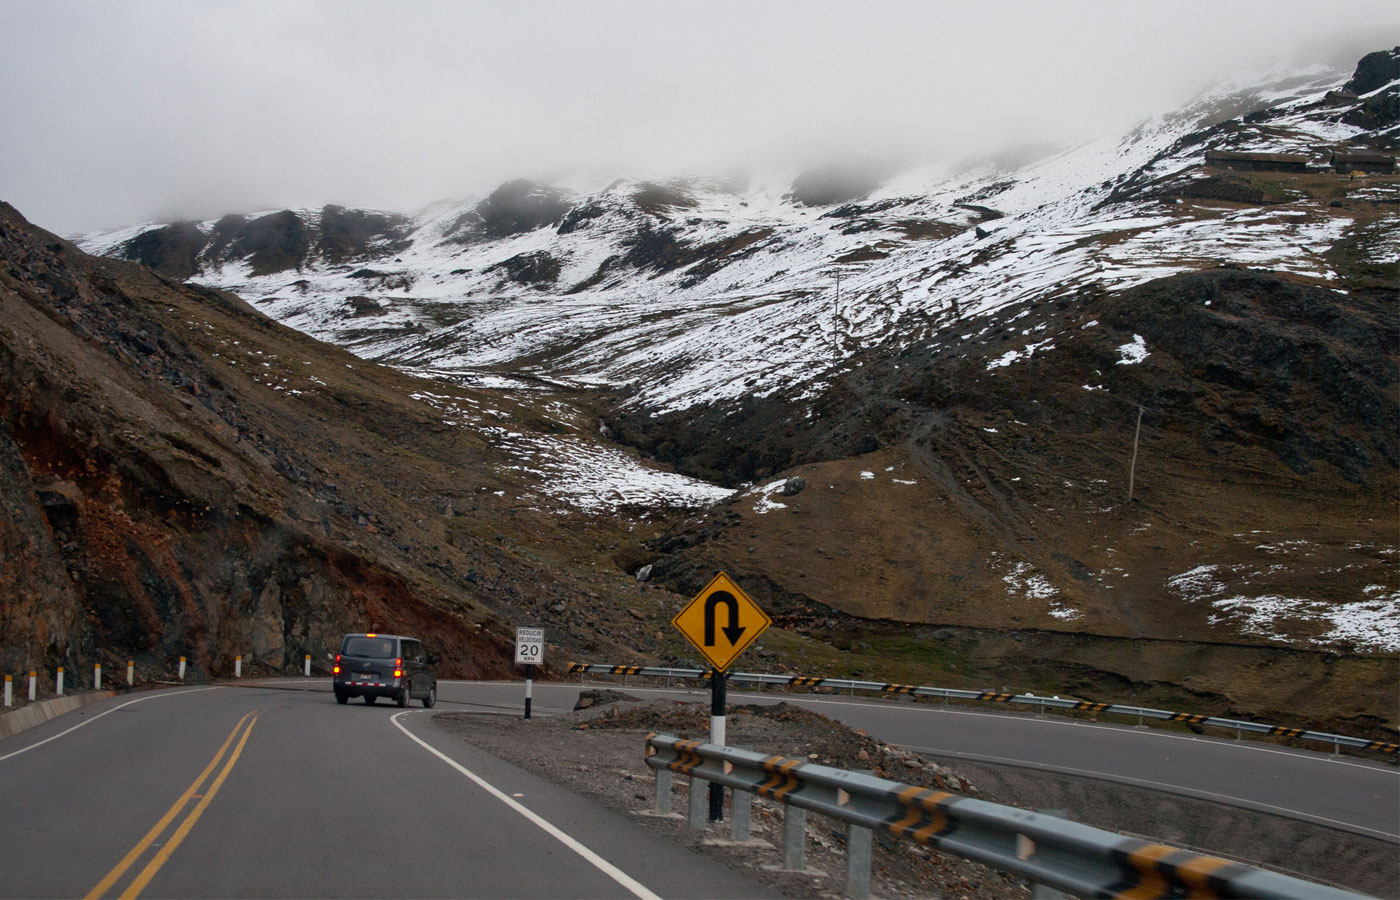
{"points": [[1132, 469], [836, 320]]}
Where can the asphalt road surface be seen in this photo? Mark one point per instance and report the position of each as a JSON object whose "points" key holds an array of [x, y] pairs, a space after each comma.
{"points": [[241, 792], [1340, 792]]}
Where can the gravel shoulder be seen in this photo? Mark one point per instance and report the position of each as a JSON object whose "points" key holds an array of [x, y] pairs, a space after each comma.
{"points": [[597, 752]]}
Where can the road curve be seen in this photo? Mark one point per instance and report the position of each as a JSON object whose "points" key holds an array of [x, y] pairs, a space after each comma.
{"points": [[234, 792], [1340, 792]]}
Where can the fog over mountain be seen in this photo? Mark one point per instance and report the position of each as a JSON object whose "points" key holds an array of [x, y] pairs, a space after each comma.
{"points": [[123, 111]]}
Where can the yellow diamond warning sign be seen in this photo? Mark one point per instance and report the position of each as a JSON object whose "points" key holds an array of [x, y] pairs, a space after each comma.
{"points": [[721, 621]]}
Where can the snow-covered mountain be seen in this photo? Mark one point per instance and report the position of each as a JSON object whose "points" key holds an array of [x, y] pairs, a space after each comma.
{"points": [[981, 335], [696, 291]]}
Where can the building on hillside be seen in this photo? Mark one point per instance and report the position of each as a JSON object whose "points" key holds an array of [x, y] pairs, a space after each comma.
{"points": [[1257, 162], [1348, 161]]}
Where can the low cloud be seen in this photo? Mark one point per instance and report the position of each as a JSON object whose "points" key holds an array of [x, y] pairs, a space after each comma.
{"points": [[123, 112]]}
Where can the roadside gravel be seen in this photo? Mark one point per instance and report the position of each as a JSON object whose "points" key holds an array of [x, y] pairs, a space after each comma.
{"points": [[597, 751]]}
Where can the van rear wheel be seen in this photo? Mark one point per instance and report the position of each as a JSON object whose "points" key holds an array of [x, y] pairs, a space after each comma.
{"points": [[342, 697], [430, 698], [403, 698]]}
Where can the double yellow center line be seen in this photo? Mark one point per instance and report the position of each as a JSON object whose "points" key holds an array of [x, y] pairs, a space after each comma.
{"points": [[138, 884]]}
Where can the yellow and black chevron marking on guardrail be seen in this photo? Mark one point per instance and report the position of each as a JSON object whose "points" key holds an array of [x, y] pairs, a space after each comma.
{"points": [[1043, 703], [781, 780], [1162, 871], [687, 759], [925, 815]]}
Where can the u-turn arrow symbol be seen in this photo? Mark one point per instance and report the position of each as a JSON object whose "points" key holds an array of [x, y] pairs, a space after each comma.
{"points": [[733, 630]]}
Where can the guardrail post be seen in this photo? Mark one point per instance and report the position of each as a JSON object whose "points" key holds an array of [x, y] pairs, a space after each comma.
{"points": [[97, 676], [794, 837], [58, 684], [663, 791], [130, 672], [699, 803], [858, 841], [33, 685], [9, 690], [1044, 891], [741, 809]]}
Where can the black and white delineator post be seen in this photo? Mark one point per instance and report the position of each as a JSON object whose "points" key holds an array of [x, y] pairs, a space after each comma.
{"points": [[717, 700], [529, 649]]}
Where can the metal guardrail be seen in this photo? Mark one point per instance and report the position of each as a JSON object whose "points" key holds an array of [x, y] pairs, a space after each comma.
{"points": [[1143, 713], [1066, 855]]}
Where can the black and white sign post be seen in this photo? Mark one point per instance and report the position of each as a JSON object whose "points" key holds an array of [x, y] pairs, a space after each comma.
{"points": [[529, 649], [717, 699], [720, 622]]}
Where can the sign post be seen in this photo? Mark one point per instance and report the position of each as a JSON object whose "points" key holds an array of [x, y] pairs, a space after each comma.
{"points": [[720, 644], [529, 649]]}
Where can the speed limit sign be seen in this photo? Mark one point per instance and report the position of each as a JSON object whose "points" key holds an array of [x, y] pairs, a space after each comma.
{"points": [[529, 646]]}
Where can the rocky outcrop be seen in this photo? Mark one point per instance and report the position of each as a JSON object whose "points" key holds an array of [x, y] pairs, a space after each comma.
{"points": [[275, 242], [159, 501]]}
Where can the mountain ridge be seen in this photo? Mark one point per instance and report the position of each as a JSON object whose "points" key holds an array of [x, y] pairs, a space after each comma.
{"points": [[953, 365]]}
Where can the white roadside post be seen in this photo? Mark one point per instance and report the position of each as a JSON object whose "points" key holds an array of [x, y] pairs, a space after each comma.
{"points": [[307, 669], [33, 685], [529, 649], [58, 684], [9, 690], [182, 668], [130, 672], [238, 667], [97, 676]]}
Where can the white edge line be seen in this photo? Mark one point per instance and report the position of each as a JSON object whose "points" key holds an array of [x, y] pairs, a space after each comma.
{"points": [[607, 868], [100, 715], [1170, 788]]}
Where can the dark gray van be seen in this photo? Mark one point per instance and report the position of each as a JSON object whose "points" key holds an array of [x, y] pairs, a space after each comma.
{"points": [[384, 665]]}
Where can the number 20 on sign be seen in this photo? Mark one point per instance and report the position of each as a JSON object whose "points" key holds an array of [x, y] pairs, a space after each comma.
{"points": [[529, 646]]}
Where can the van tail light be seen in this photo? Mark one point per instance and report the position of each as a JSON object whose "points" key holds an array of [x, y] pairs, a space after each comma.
{"points": [[398, 673], [337, 657]]}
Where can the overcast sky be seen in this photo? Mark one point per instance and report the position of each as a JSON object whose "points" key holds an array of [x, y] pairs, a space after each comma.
{"points": [[119, 111]]}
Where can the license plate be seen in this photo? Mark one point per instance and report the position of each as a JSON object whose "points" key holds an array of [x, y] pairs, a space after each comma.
{"points": [[364, 676]]}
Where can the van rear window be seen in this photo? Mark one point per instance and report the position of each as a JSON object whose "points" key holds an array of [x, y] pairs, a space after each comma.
{"points": [[374, 648]]}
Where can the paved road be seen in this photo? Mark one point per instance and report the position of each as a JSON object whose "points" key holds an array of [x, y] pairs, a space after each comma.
{"points": [[237, 792], [1340, 792]]}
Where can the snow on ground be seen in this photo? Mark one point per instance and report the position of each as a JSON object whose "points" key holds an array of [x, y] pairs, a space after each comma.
{"points": [[1133, 353], [765, 502], [1371, 622], [596, 478], [769, 318], [579, 472]]}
